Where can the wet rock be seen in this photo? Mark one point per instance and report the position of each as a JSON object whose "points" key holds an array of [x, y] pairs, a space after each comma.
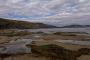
{"points": [[57, 52]]}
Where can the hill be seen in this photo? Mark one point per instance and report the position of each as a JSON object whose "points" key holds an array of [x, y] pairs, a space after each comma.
{"points": [[75, 26], [14, 24]]}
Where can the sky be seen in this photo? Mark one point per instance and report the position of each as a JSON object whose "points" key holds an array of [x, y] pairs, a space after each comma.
{"points": [[62, 10]]}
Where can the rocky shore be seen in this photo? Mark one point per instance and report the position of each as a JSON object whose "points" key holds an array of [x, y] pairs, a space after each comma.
{"points": [[24, 45]]}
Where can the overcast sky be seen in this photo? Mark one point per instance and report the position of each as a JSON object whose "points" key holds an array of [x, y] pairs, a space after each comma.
{"points": [[45, 9]]}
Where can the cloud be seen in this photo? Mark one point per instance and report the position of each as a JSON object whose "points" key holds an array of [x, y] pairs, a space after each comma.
{"points": [[37, 9]]}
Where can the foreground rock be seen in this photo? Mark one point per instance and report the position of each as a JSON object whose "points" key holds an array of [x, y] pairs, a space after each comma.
{"points": [[56, 52]]}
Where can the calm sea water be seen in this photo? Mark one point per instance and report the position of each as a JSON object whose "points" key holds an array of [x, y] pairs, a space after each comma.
{"points": [[87, 30]]}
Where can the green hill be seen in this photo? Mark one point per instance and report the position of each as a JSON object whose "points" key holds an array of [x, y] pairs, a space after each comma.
{"points": [[15, 24]]}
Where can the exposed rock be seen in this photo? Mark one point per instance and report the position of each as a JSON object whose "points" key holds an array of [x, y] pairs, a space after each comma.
{"points": [[58, 53]]}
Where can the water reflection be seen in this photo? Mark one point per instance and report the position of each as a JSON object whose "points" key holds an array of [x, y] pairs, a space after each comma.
{"points": [[16, 47]]}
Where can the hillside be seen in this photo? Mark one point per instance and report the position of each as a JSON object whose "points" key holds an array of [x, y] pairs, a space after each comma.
{"points": [[14, 24], [75, 26]]}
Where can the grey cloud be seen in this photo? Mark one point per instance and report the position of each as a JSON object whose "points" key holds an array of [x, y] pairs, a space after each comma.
{"points": [[44, 8]]}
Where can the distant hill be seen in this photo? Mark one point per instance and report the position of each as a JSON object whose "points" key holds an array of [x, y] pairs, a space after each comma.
{"points": [[75, 26], [15, 24]]}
